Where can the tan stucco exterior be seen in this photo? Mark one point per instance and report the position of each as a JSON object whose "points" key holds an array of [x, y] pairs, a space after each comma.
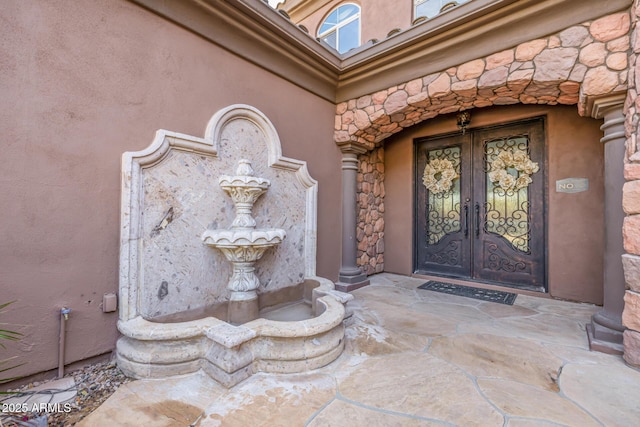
{"points": [[85, 81]]}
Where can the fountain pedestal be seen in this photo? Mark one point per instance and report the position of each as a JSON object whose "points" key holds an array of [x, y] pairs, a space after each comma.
{"points": [[242, 244]]}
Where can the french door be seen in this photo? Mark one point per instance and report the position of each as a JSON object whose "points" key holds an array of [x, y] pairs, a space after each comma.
{"points": [[480, 205]]}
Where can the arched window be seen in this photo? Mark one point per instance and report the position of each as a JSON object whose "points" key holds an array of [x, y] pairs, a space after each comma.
{"points": [[341, 29], [431, 8]]}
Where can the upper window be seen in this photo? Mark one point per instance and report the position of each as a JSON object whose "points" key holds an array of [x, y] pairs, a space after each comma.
{"points": [[341, 29], [431, 8]]}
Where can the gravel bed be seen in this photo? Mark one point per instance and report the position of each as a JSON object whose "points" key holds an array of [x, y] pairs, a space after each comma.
{"points": [[93, 383]]}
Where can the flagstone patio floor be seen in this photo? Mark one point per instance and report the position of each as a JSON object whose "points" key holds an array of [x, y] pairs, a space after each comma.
{"points": [[415, 358]]}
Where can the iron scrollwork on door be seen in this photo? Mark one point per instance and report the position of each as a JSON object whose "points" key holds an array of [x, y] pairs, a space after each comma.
{"points": [[496, 260], [441, 178], [508, 171], [480, 204], [450, 255]]}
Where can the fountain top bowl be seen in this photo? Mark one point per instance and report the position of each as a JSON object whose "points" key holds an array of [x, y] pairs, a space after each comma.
{"points": [[238, 181], [244, 177], [238, 238]]}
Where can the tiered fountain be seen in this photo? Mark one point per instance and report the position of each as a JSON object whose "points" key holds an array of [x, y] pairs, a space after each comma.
{"points": [[179, 312], [243, 244]]}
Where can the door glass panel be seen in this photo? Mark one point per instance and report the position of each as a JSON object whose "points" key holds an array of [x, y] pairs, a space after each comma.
{"points": [[508, 173], [441, 177]]}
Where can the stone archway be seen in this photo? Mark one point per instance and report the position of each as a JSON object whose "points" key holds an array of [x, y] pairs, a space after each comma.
{"points": [[571, 67], [582, 61], [577, 66]]}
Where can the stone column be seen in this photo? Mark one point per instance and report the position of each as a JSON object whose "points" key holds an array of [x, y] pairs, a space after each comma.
{"points": [[605, 330], [350, 276]]}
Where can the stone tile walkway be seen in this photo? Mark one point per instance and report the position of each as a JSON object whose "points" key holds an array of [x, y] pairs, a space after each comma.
{"points": [[416, 358]]}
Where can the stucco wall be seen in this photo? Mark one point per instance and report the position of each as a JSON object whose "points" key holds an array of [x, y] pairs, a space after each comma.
{"points": [[82, 82], [575, 230], [381, 16]]}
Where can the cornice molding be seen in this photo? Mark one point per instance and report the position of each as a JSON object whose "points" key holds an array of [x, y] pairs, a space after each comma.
{"points": [[256, 32], [259, 34], [466, 33], [352, 147], [598, 106]]}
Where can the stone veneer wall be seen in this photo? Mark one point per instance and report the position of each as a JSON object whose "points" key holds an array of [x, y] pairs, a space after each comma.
{"points": [[631, 204], [370, 221], [584, 60]]}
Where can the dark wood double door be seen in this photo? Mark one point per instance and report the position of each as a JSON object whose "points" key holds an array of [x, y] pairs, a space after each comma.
{"points": [[480, 210]]}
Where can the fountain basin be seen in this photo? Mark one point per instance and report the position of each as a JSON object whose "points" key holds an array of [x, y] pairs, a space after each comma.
{"points": [[180, 343], [167, 198]]}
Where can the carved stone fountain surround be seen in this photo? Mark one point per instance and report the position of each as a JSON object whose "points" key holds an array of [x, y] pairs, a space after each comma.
{"points": [[171, 282]]}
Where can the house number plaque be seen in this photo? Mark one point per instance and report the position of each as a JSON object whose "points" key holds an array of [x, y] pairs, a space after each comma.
{"points": [[572, 185]]}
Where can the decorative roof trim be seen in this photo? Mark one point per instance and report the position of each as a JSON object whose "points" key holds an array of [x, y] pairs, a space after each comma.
{"points": [[274, 43]]}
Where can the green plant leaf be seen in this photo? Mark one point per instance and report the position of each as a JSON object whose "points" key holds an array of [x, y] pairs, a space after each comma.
{"points": [[7, 335], [6, 304]]}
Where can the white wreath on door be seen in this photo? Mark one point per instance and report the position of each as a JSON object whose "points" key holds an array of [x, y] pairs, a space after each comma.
{"points": [[439, 175], [514, 158]]}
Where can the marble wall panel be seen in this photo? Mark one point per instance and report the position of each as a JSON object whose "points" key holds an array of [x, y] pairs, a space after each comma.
{"points": [[181, 198]]}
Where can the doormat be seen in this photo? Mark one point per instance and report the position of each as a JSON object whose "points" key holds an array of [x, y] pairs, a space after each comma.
{"points": [[469, 292]]}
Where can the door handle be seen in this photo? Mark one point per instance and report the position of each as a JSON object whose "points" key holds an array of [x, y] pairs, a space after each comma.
{"points": [[466, 220], [477, 224]]}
